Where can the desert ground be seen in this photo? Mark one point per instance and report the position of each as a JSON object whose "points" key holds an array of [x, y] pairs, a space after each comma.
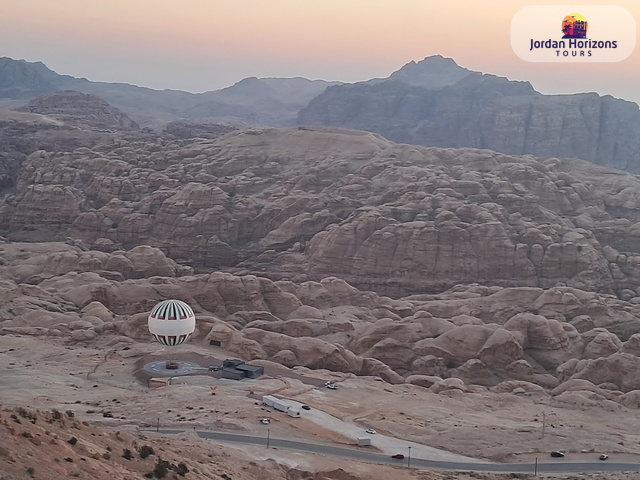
{"points": [[88, 381]]}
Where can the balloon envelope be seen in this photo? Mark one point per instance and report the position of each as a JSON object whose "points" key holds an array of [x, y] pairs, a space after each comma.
{"points": [[172, 322]]}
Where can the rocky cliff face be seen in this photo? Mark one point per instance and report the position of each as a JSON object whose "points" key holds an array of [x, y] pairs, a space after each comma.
{"points": [[468, 109], [303, 205]]}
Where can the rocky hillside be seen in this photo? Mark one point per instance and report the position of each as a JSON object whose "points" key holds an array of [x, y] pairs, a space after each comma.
{"points": [[566, 345], [21, 79], [53, 444], [60, 122], [80, 110], [436, 102], [273, 101], [56, 445], [505, 269], [22, 133], [433, 102], [303, 204]]}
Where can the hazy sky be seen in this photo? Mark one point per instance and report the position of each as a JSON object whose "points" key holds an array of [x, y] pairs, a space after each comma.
{"points": [[199, 45]]}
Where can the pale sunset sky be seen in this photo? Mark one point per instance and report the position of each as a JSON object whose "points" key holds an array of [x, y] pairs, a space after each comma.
{"points": [[200, 45]]}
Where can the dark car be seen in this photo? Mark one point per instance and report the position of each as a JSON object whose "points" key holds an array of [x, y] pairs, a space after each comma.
{"points": [[306, 407], [398, 456], [557, 454], [603, 456]]}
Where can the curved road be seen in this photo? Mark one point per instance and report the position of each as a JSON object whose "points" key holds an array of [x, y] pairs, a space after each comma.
{"points": [[561, 466]]}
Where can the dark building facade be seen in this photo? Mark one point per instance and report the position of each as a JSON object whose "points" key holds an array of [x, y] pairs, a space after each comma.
{"points": [[237, 370]]}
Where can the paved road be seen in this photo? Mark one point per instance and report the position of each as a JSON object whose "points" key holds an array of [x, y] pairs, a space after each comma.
{"points": [[560, 466], [382, 443]]}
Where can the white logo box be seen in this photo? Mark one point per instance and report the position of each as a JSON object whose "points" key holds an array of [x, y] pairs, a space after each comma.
{"points": [[536, 34]]}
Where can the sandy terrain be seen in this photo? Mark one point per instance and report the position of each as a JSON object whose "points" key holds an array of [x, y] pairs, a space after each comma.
{"points": [[43, 374]]}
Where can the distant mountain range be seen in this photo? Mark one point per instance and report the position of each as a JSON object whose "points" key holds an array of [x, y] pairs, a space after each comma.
{"points": [[271, 101], [431, 102], [436, 102]]}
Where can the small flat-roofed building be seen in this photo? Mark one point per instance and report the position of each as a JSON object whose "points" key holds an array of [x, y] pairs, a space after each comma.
{"points": [[232, 374], [231, 363], [159, 382], [251, 371]]}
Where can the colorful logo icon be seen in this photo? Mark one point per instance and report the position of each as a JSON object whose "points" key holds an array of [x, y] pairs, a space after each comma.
{"points": [[574, 25]]}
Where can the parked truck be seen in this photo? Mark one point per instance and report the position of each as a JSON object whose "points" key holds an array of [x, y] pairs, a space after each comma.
{"points": [[363, 441]]}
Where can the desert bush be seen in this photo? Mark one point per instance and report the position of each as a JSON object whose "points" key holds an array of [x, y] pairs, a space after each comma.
{"points": [[56, 414], [181, 469], [72, 441], [161, 469], [70, 413], [126, 453], [24, 413], [145, 451]]}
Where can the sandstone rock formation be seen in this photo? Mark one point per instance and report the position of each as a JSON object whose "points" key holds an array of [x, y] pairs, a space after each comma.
{"points": [[451, 341], [23, 133], [304, 204]]}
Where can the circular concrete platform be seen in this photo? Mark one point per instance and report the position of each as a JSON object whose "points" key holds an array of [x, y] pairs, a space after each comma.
{"points": [[183, 368]]}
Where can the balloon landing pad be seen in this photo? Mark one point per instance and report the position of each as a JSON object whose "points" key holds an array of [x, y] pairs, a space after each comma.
{"points": [[173, 368]]}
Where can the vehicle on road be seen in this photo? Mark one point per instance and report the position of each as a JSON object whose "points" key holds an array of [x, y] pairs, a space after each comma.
{"points": [[557, 454], [332, 386], [398, 456], [265, 421], [604, 456], [370, 431], [306, 407]]}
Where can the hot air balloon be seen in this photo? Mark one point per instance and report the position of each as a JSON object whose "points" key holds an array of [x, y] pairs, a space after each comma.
{"points": [[172, 322]]}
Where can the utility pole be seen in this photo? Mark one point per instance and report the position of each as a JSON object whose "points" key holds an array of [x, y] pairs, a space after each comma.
{"points": [[544, 423], [158, 425], [535, 468], [409, 458], [268, 436]]}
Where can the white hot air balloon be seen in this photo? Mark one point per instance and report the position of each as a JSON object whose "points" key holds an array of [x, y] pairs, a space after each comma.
{"points": [[172, 322]]}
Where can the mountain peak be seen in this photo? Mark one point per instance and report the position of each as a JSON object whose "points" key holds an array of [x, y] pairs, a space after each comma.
{"points": [[432, 72], [22, 79], [438, 60]]}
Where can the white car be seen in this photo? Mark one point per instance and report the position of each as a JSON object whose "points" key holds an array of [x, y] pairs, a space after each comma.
{"points": [[265, 421], [370, 431], [332, 386]]}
